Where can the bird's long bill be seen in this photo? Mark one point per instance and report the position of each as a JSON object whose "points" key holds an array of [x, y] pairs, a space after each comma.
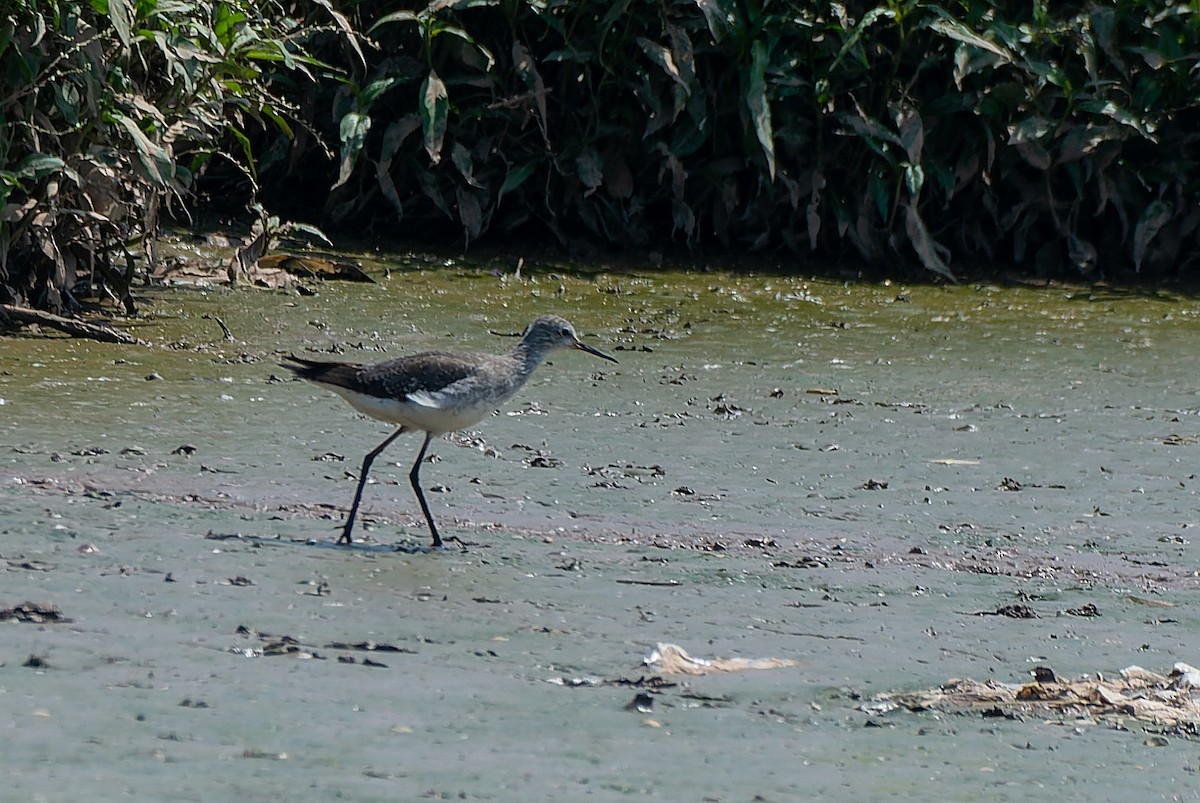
{"points": [[585, 347]]}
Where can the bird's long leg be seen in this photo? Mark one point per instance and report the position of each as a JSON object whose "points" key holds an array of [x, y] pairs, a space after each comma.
{"points": [[362, 481], [414, 477]]}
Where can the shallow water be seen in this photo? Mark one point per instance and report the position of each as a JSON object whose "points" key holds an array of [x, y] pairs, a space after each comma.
{"points": [[838, 474]]}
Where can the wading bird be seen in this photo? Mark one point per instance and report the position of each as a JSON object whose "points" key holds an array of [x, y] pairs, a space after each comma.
{"points": [[435, 392]]}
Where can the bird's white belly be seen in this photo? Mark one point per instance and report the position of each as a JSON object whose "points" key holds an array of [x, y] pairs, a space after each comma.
{"points": [[415, 416]]}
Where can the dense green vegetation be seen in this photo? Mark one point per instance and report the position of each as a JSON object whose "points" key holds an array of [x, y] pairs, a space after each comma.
{"points": [[1059, 139], [111, 109]]}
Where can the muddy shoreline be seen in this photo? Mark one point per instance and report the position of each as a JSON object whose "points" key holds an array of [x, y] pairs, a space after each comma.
{"points": [[968, 483]]}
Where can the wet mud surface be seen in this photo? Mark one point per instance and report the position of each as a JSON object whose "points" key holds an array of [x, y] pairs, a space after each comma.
{"points": [[882, 488]]}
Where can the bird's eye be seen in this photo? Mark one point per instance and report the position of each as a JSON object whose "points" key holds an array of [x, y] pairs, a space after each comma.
{"points": [[565, 332]]}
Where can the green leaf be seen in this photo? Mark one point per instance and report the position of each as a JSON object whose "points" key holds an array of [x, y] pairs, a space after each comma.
{"points": [[353, 133], [395, 16], [247, 151], [348, 34], [515, 178], [852, 41], [120, 14], [878, 189], [590, 168], [470, 214], [373, 90], [292, 225], [928, 250], [914, 179], [154, 159], [1151, 221], [757, 103], [460, 155], [466, 37], [434, 110], [664, 58], [947, 26], [37, 166], [716, 17]]}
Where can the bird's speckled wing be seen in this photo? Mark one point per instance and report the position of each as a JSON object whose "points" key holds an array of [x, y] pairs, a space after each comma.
{"points": [[423, 374]]}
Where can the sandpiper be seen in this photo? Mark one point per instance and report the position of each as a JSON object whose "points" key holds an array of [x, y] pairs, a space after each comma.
{"points": [[435, 392]]}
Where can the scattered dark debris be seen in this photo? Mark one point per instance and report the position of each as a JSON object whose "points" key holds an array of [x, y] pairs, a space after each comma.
{"points": [[708, 545], [33, 613], [1009, 484], [486, 600], [90, 451], [656, 682], [650, 582], [36, 662], [577, 683], [642, 703], [287, 645], [776, 393], [185, 450], [571, 565], [350, 659], [1138, 562], [827, 636], [214, 536], [541, 460], [607, 484], [684, 490], [249, 753], [188, 702], [874, 485], [723, 407], [998, 713], [761, 543], [228, 335], [917, 551], [368, 646], [1180, 440], [1011, 611], [240, 580], [273, 645], [1044, 674], [31, 565], [169, 578], [1089, 610], [708, 700], [329, 457], [806, 562], [293, 647]]}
